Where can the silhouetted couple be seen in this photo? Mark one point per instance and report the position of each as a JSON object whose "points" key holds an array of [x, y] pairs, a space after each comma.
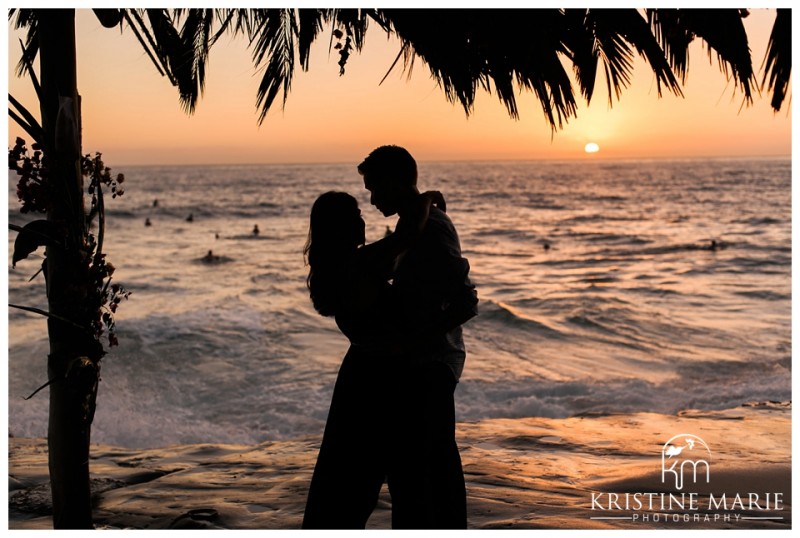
{"points": [[401, 302]]}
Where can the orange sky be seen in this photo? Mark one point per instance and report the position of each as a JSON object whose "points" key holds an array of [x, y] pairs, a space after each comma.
{"points": [[132, 114]]}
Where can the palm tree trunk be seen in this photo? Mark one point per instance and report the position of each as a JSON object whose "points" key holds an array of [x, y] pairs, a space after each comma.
{"points": [[74, 353]]}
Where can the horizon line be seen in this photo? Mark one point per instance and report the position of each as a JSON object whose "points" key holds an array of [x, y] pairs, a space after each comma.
{"points": [[485, 160]]}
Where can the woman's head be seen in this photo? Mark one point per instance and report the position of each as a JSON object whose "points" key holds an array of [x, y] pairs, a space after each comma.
{"points": [[336, 221], [335, 231]]}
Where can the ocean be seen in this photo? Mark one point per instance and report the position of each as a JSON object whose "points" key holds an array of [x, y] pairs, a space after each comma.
{"points": [[605, 287]]}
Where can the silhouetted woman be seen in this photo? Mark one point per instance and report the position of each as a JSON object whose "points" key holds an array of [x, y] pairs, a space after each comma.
{"points": [[349, 281]]}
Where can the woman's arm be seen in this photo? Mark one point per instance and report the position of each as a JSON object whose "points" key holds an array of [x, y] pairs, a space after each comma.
{"points": [[382, 253]]}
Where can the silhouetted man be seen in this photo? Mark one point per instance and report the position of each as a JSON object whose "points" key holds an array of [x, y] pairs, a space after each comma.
{"points": [[435, 297]]}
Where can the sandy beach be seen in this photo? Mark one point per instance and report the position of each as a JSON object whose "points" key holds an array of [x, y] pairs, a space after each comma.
{"points": [[531, 473]]}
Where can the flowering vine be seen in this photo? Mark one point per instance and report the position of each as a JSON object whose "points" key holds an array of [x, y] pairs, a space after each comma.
{"points": [[104, 297]]}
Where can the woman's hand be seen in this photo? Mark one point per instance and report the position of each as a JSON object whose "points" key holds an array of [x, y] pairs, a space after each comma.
{"points": [[434, 198], [408, 229], [413, 221]]}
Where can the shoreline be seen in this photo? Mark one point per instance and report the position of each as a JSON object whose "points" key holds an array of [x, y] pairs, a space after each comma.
{"points": [[527, 473]]}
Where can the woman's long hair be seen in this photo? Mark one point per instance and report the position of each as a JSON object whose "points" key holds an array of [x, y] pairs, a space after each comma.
{"points": [[334, 234]]}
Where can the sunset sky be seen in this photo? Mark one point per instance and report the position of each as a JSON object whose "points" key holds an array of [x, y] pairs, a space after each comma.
{"points": [[132, 114]]}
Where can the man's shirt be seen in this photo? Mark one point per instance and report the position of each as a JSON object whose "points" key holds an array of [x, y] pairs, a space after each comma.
{"points": [[430, 278]]}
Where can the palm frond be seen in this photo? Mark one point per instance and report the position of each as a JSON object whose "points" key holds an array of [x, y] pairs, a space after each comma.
{"points": [[722, 31], [674, 37], [195, 37], [184, 53], [272, 39], [553, 90], [626, 30], [581, 47], [142, 33], [168, 47], [500, 51], [23, 117], [537, 50], [439, 39], [28, 65], [109, 18], [614, 52], [778, 60], [309, 22], [26, 18], [230, 20]]}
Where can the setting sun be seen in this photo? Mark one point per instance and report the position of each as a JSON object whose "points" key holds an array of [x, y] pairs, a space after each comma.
{"points": [[592, 147]]}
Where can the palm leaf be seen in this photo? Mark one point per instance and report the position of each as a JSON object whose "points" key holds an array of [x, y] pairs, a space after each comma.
{"points": [[582, 50], [23, 117], [309, 22], [500, 51], [26, 18], [195, 36], [272, 39], [438, 38], [666, 25], [778, 60], [109, 18], [184, 53], [721, 30], [631, 27], [165, 41], [724, 33], [613, 50], [27, 61], [231, 20], [146, 40]]}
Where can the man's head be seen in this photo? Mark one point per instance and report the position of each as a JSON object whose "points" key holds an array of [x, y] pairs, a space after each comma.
{"points": [[390, 175]]}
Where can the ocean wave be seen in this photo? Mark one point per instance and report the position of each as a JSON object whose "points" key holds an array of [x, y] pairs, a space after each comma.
{"points": [[612, 323], [504, 232], [587, 322], [744, 263], [527, 397], [654, 291], [498, 312], [475, 250], [766, 295], [599, 217], [616, 254], [615, 331], [123, 214], [759, 221], [601, 237], [199, 212]]}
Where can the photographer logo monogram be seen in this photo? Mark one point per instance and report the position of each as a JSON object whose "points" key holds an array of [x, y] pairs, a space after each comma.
{"points": [[681, 452]]}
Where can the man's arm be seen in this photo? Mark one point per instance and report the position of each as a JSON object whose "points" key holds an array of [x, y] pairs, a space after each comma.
{"points": [[460, 302], [456, 298]]}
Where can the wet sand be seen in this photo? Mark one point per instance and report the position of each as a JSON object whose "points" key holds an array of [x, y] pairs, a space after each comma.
{"points": [[529, 473]]}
